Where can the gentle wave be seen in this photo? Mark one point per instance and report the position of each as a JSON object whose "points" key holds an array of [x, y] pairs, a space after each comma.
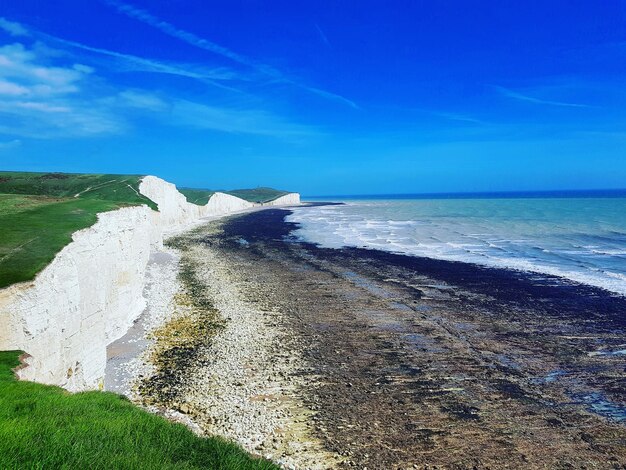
{"points": [[583, 241]]}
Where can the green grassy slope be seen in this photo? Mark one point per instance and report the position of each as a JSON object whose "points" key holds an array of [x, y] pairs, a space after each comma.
{"points": [[42, 426], [201, 196], [258, 194], [123, 189], [197, 196], [40, 211]]}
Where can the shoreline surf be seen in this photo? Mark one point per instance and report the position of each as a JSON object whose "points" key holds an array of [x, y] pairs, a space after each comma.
{"points": [[580, 240]]}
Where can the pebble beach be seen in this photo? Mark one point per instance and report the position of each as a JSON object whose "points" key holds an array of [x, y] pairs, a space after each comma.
{"points": [[325, 358]]}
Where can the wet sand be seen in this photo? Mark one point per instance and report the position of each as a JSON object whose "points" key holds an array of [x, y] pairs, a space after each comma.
{"points": [[386, 361]]}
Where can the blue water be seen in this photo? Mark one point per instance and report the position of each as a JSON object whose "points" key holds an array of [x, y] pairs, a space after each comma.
{"points": [[578, 238]]}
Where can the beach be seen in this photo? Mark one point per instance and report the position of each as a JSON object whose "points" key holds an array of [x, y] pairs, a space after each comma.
{"points": [[349, 357]]}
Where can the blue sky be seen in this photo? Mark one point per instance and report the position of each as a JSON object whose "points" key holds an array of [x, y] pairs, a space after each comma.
{"points": [[323, 97]]}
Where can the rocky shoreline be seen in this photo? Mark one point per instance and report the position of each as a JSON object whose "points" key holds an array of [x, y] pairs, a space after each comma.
{"points": [[215, 361], [323, 358]]}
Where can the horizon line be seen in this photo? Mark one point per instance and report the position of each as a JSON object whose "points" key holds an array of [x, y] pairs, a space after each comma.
{"points": [[529, 193]]}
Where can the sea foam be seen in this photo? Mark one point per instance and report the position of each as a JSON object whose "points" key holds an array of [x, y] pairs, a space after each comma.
{"points": [[583, 240]]}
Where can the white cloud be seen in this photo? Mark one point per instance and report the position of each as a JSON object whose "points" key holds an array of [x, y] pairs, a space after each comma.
{"points": [[14, 29], [12, 89], [20, 67], [322, 35], [125, 62], [459, 117], [83, 68], [43, 100], [183, 35], [43, 107], [233, 120], [140, 100], [331, 96], [132, 63]]}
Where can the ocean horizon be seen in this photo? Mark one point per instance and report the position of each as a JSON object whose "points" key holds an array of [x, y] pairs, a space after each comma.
{"points": [[550, 193], [579, 236]]}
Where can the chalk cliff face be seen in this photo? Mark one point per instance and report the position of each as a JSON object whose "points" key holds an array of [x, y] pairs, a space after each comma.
{"points": [[174, 210], [291, 199], [87, 297], [222, 203], [91, 293]]}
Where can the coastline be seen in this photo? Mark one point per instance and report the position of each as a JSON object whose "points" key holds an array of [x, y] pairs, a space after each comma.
{"points": [[240, 386], [425, 358]]}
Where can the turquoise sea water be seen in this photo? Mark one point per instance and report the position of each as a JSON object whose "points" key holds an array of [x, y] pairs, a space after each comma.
{"points": [[578, 238]]}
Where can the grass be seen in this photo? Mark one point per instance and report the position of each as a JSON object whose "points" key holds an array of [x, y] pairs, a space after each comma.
{"points": [[40, 211], [199, 197], [123, 189], [202, 196], [258, 194], [43, 426]]}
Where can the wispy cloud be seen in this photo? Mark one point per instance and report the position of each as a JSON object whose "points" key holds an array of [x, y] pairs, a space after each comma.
{"points": [[132, 63], [44, 96], [10, 144], [322, 36], [141, 100], [186, 36], [210, 46], [214, 76], [21, 75], [459, 117], [331, 96], [12, 28], [44, 101], [531, 99], [12, 89], [239, 121]]}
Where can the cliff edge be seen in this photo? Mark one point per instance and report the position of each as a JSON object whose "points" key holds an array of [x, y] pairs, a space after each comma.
{"points": [[91, 293]]}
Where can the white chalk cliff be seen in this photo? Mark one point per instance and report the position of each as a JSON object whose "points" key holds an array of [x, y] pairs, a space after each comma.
{"points": [[91, 293], [291, 199]]}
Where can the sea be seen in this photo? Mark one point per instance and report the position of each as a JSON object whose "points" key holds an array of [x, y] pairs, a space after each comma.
{"points": [[576, 235]]}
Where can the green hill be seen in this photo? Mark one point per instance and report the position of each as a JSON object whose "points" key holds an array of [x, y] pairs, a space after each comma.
{"points": [[40, 211], [197, 196], [258, 194], [201, 196], [123, 189]]}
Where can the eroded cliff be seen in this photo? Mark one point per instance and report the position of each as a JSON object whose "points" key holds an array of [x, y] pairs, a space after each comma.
{"points": [[91, 292]]}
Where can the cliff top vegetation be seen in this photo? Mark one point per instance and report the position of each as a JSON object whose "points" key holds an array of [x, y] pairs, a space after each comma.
{"points": [[261, 195], [40, 211]]}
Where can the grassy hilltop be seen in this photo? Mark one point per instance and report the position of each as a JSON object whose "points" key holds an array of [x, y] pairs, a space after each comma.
{"points": [[42, 426], [201, 196], [40, 211], [198, 197]]}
